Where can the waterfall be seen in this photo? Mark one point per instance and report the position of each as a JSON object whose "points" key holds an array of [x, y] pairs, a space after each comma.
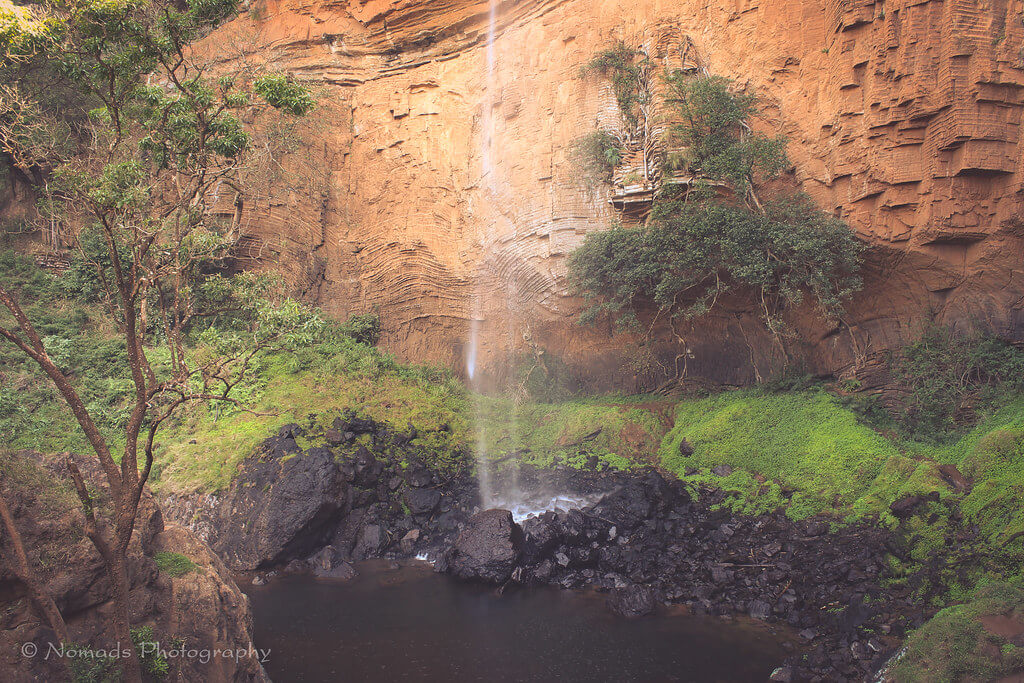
{"points": [[503, 492], [483, 463]]}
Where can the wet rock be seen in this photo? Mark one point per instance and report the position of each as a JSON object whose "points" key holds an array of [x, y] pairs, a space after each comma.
{"points": [[905, 506], [342, 571], [409, 541], [356, 425], [627, 506], [541, 535], [370, 542], [325, 564], [278, 507], [488, 548], [954, 478], [367, 468], [418, 475], [854, 615], [422, 501], [632, 601], [759, 609], [783, 674], [290, 431]]}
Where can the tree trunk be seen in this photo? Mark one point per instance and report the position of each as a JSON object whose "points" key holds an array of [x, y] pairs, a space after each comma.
{"points": [[19, 565], [131, 667]]}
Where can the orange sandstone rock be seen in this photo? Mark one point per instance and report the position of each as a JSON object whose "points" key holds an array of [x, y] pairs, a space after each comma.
{"points": [[435, 190]]}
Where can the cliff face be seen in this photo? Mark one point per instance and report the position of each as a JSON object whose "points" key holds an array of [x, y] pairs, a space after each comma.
{"points": [[437, 187]]}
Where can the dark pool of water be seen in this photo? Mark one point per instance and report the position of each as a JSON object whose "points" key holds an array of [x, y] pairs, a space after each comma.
{"points": [[411, 624]]}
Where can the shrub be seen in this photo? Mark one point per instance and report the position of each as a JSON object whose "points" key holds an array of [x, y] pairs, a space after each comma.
{"points": [[950, 377], [598, 155], [710, 123], [695, 252], [628, 69], [174, 564], [363, 328]]}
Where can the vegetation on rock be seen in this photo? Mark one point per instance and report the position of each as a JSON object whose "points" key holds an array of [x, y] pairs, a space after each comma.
{"points": [[701, 245], [143, 173], [174, 564], [967, 642]]}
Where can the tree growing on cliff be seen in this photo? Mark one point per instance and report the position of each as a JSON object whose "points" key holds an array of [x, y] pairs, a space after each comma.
{"points": [[702, 243], [165, 143]]}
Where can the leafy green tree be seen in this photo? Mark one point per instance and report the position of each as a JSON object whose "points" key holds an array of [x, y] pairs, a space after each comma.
{"points": [[166, 141], [710, 123], [704, 242]]}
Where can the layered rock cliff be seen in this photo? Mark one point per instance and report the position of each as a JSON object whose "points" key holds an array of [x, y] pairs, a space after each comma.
{"points": [[436, 186]]}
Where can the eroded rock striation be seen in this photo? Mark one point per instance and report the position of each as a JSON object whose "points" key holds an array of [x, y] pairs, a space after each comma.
{"points": [[437, 186]]}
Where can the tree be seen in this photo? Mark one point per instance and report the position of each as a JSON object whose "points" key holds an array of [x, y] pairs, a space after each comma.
{"points": [[702, 243], [709, 121], [165, 142]]}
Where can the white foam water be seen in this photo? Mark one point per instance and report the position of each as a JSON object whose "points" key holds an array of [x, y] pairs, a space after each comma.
{"points": [[523, 509]]}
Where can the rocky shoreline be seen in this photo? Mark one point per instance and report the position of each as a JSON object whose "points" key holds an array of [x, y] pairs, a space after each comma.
{"points": [[361, 490]]}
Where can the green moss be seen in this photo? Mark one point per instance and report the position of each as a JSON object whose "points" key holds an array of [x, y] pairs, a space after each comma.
{"points": [[992, 455], [174, 564], [956, 645], [801, 450], [203, 448], [607, 432]]}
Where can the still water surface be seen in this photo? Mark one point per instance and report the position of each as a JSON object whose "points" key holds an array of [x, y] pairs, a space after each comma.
{"points": [[410, 624]]}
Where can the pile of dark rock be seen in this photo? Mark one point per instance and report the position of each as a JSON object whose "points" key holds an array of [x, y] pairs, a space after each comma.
{"points": [[646, 542], [363, 491]]}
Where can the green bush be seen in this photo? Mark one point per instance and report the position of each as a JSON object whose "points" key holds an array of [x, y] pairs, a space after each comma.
{"points": [[709, 123], [174, 564], [695, 252], [951, 378], [598, 155], [363, 328]]}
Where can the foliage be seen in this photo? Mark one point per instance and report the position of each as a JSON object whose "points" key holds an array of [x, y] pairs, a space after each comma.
{"points": [[950, 377], [174, 564], [695, 252], [799, 451], [363, 328], [710, 123], [93, 668], [699, 246], [282, 93], [598, 154], [148, 647], [955, 645]]}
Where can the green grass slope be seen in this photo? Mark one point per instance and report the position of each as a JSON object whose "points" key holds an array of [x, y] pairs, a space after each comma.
{"points": [[802, 451]]}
